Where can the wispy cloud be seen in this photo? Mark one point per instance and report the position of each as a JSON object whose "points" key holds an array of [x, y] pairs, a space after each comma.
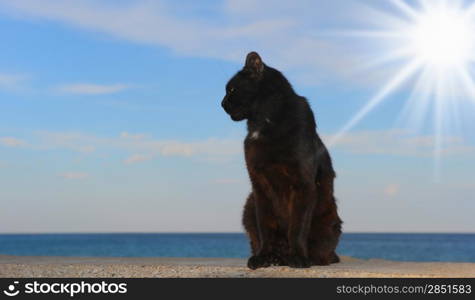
{"points": [[12, 142], [135, 136], [74, 141], [74, 175], [11, 81], [398, 142], [288, 40], [91, 89], [141, 147], [136, 158], [145, 144]]}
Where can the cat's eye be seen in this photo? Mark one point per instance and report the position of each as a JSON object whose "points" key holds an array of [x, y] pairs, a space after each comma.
{"points": [[231, 90]]}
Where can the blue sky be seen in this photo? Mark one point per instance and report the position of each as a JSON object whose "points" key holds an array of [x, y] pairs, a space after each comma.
{"points": [[110, 117]]}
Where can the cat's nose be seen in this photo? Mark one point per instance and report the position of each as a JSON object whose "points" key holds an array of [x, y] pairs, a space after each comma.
{"points": [[224, 103]]}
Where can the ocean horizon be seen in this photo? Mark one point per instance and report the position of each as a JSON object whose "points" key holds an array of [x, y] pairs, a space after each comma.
{"points": [[445, 247]]}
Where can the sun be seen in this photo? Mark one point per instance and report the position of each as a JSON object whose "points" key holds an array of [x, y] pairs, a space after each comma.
{"points": [[442, 37], [433, 42]]}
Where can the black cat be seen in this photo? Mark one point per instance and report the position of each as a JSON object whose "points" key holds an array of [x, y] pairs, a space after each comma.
{"points": [[291, 215]]}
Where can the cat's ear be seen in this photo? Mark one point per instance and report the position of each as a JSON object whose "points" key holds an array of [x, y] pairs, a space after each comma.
{"points": [[254, 64]]}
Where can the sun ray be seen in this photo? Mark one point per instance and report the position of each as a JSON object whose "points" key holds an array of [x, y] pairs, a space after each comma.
{"points": [[468, 83], [405, 8], [453, 103], [392, 85], [386, 34], [438, 124], [395, 55], [416, 106]]}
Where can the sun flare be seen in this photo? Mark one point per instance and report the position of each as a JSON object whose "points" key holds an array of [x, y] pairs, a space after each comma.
{"points": [[434, 43], [442, 38]]}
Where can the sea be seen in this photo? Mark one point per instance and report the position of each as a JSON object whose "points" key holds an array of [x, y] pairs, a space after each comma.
{"points": [[393, 246]]}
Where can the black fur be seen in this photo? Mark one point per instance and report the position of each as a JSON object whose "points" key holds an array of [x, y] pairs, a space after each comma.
{"points": [[291, 215]]}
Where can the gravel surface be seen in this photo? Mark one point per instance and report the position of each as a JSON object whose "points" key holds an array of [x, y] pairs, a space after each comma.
{"points": [[28, 266]]}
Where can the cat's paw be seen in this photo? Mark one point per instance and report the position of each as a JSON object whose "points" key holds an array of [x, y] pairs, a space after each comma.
{"points": [[259, 261], [298, 261]]}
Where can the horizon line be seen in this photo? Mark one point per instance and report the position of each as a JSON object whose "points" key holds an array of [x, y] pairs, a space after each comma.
{"points": [[225, 232]]}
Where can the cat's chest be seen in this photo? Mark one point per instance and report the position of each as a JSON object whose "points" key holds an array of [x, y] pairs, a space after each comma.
{"points": [[269, 163]]}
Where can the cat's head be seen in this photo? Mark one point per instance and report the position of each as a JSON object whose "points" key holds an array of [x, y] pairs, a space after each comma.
{"points": [[242, 88]]}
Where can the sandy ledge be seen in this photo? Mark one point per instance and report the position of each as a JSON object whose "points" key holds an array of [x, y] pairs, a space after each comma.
{"points": [[29, 266]]}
